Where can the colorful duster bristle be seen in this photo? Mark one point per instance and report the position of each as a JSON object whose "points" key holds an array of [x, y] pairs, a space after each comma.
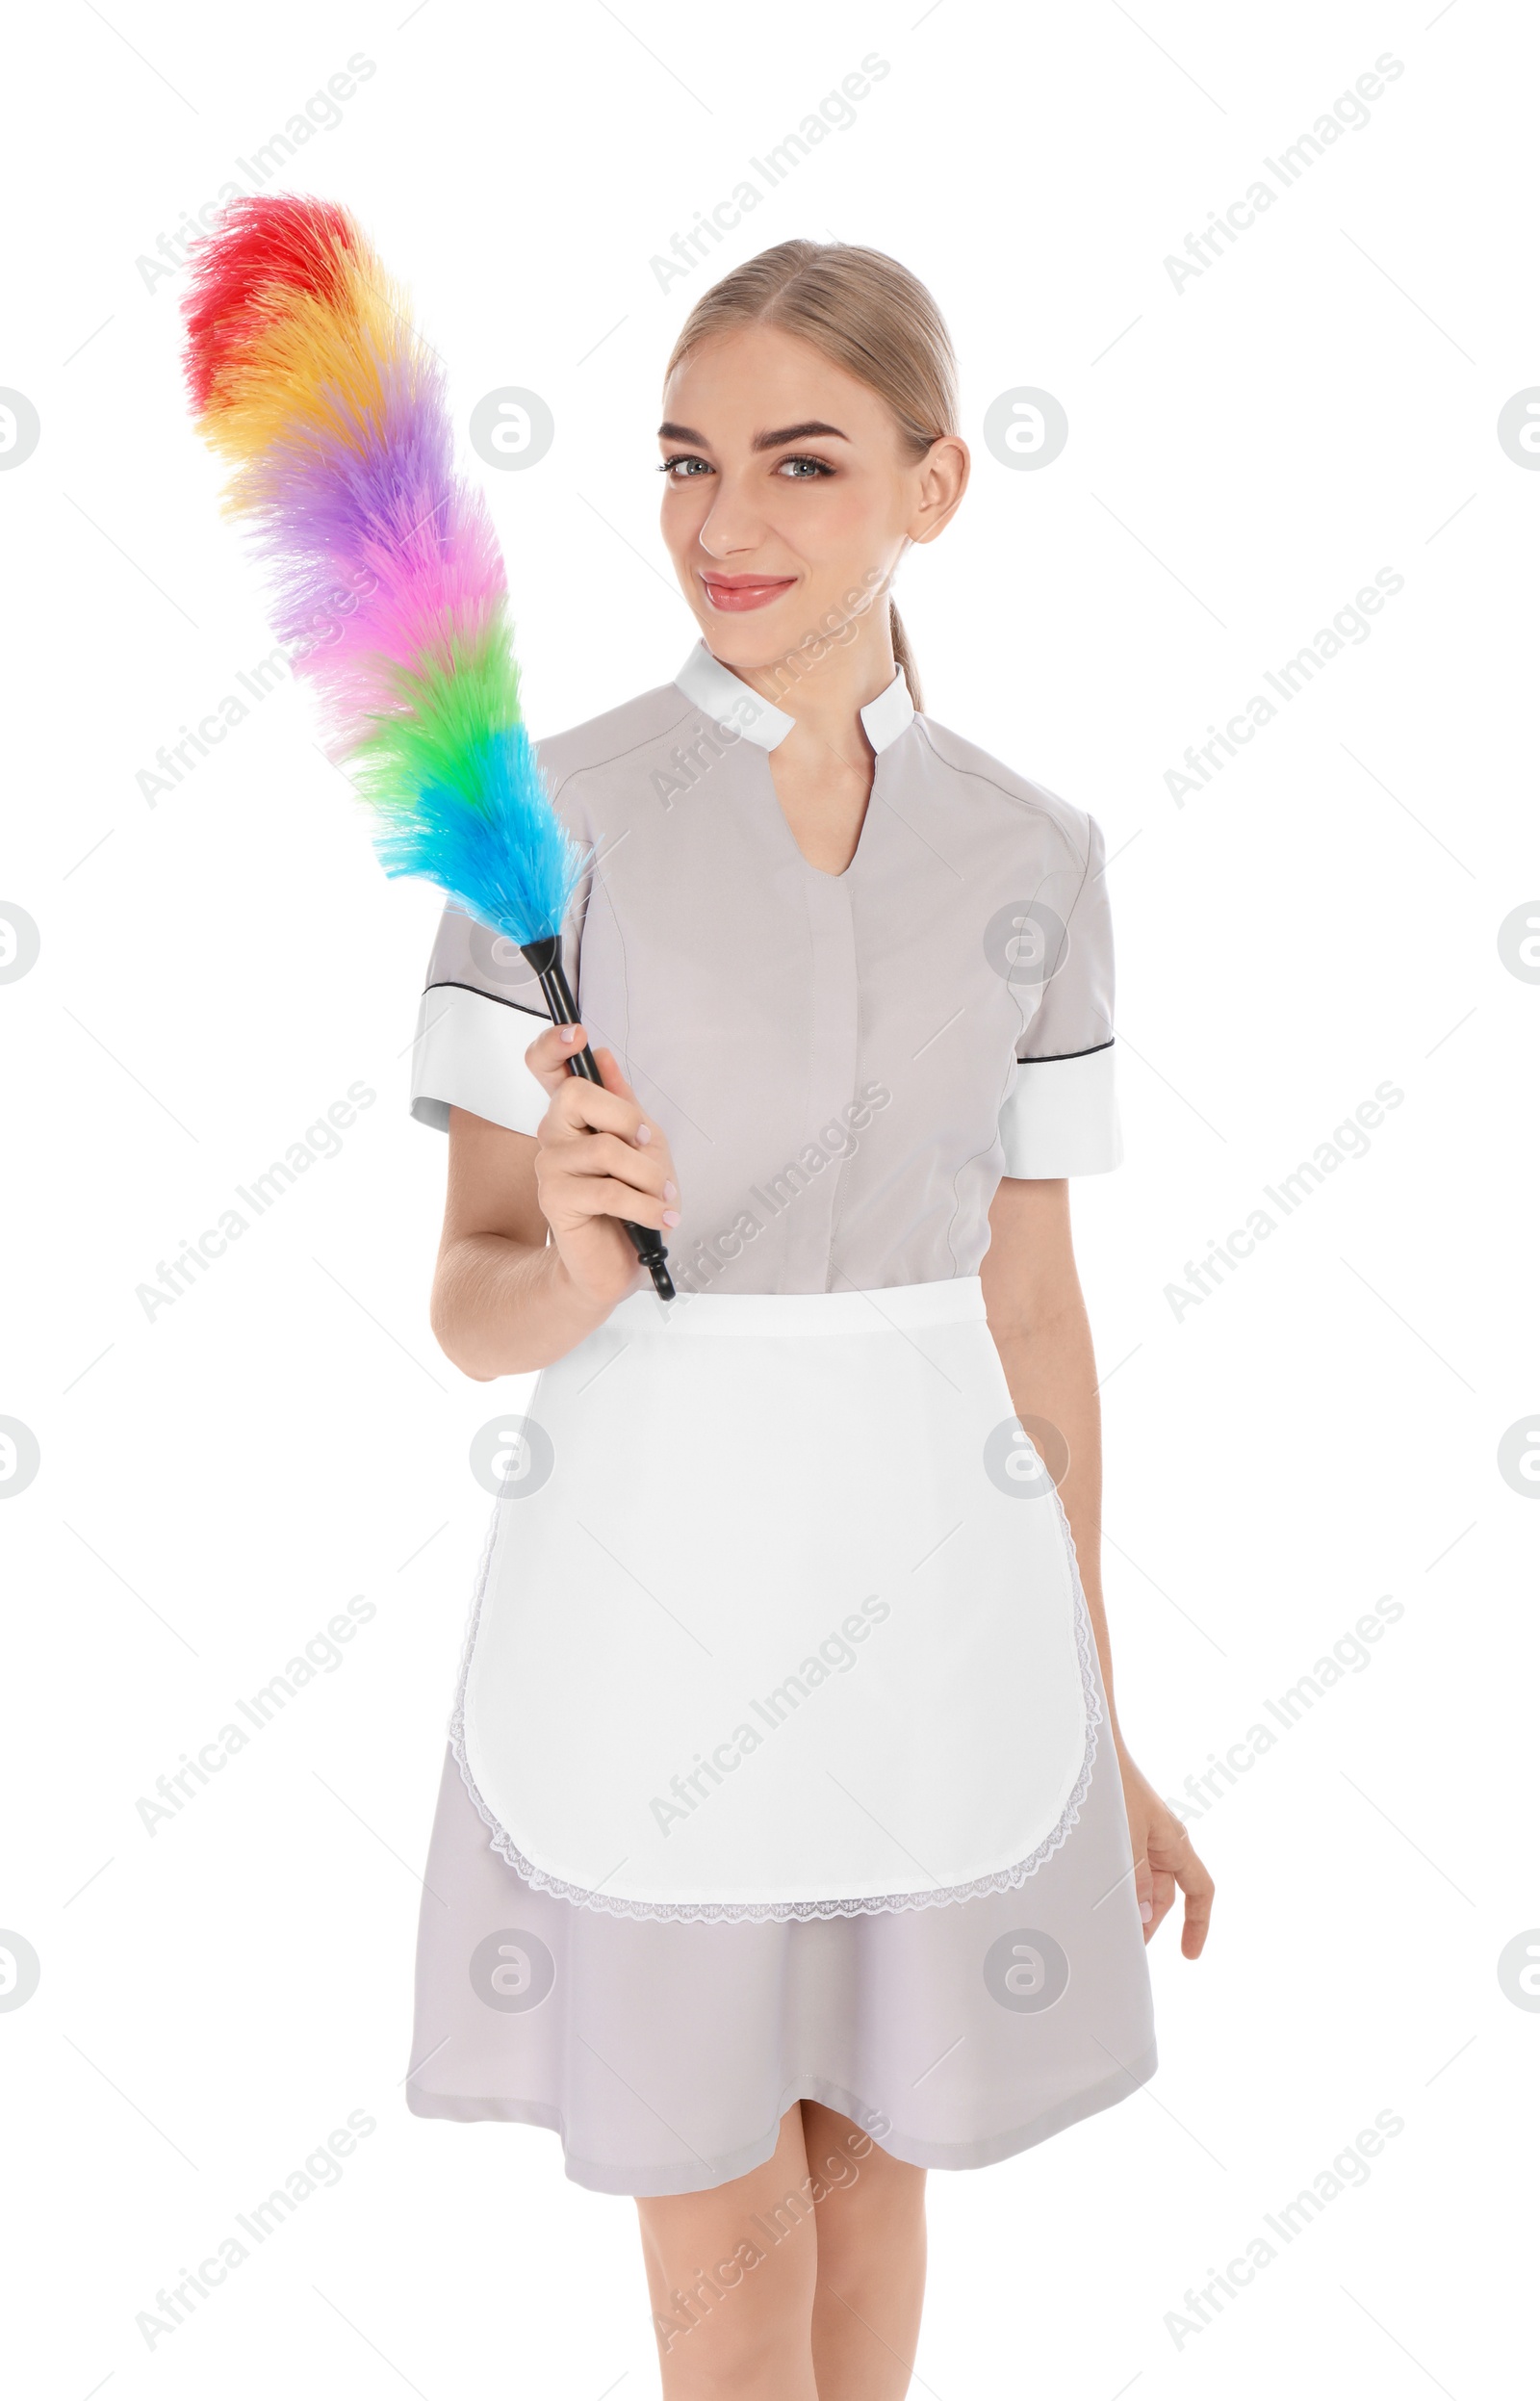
{"points": [[306, 374]]}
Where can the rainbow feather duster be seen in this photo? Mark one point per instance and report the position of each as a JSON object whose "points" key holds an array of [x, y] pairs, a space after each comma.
{"points": [[389, 590], [307, 377]]}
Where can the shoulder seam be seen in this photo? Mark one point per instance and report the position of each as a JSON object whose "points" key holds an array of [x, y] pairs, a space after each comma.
{"points": [[592, 766], [1021, 800]]}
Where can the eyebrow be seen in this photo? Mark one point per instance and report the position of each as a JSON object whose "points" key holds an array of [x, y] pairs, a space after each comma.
{"points": [[761, 441]]}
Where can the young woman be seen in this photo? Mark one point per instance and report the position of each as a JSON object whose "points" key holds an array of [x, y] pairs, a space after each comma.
{"points": [[789, 1845]]}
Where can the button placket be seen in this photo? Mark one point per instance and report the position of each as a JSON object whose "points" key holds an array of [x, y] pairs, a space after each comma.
{"points": [[833, 1043]]}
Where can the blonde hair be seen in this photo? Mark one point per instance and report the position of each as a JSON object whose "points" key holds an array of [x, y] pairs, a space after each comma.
{"points": [[865, 313]]}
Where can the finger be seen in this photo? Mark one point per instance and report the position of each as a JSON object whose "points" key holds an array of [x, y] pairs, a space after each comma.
{"points": [[1197, 1886], [609, 1068], [1143, 1887], [1163, 1895], [567, 1198], [595, 1153], [644, 1132], [549, 1053], [581, 1106], [1181, 1864]]}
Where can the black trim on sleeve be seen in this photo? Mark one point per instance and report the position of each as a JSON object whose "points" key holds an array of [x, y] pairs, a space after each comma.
{"points": [[1045, 1058], [452, 983]]}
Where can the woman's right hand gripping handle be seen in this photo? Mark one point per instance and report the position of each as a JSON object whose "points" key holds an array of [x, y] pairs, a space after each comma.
{"points": [[600, 1160]]}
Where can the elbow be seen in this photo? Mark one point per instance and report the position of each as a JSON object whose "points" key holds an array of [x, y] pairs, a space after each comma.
{"points": [[464, 1331], [470, 1363], [456, 1337]]}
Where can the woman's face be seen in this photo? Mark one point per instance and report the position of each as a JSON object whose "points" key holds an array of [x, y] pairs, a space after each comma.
{"points": [[789, 496]]}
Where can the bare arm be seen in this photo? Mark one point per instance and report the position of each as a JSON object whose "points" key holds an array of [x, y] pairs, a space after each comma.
{"points": [[532, 1256], [1037, 1318]]}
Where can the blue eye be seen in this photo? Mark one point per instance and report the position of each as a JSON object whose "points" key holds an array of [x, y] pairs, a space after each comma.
{"points": [[669, 467], [814, 467]]}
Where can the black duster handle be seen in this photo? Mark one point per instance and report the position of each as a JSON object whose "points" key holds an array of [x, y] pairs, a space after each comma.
{"points": [[544, 957]]}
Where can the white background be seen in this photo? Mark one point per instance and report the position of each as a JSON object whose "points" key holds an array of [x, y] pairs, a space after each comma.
{"points": [[1244, 455]]}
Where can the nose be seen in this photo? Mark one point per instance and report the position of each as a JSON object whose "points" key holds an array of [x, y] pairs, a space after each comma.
{"points": [[733, 523]]}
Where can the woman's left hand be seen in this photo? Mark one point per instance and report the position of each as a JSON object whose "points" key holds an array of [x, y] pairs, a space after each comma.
{"points": [[1164, 1859]]}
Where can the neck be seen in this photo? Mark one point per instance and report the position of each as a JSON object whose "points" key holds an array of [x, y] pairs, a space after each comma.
{"points": [[825, 695]]}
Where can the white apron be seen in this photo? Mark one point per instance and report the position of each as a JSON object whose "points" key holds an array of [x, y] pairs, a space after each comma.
{"points": [[778, 1616]]}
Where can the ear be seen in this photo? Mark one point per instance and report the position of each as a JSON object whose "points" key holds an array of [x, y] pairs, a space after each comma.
{"points": [[943, 479]]}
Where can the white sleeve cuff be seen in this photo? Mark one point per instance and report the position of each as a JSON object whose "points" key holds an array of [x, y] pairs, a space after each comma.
{"points": [[469, 1054], [1061, 1116]]}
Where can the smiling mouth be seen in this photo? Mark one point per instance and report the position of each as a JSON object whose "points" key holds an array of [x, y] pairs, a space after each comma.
{"points": [[734, 594]]}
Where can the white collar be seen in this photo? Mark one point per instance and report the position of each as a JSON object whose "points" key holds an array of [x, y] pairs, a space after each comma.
{"points": [[729, 701]]}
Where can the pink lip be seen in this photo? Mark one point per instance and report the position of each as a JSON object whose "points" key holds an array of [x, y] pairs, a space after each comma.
{"points": [[732, 594]]}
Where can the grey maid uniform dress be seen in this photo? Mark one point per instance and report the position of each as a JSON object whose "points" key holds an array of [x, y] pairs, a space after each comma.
{"points": [[779, 1766]]}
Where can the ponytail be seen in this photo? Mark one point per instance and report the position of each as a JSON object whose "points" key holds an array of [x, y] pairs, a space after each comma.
{"points": [[903, 656]]}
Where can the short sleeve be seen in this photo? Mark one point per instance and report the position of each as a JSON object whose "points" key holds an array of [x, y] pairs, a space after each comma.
{"points": [[481, 1010], [1060, 1117]]}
